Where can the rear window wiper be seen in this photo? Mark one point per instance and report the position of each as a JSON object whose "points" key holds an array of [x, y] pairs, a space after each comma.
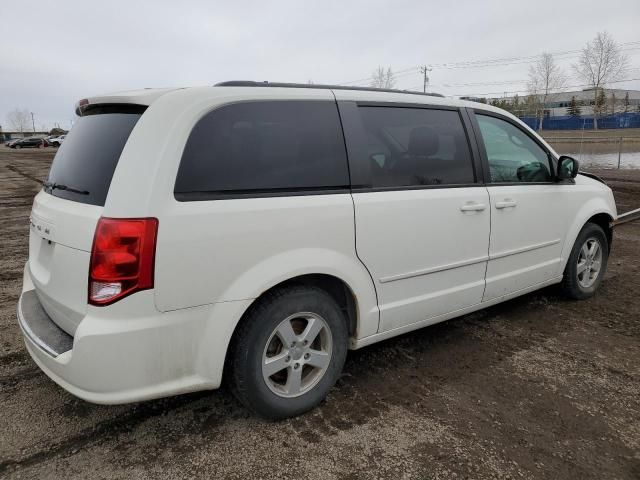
{"points": [[60, 186]]}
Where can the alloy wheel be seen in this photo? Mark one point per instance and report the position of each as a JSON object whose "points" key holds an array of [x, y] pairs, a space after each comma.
{"points": [[589, 262], [297, 354]]}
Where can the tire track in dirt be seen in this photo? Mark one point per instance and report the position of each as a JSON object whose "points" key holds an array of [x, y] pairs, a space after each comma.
{"points": [[103, 431]]}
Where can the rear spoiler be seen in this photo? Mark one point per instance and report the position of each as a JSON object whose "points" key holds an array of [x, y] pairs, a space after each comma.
{"points": [[143, 97], [84, 108]]}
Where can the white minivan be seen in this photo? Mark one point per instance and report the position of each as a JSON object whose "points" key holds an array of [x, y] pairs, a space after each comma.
{"points": [[257, 231]]}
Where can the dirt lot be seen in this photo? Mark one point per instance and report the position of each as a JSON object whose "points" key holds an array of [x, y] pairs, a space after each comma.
{"points": [[539, 387]]}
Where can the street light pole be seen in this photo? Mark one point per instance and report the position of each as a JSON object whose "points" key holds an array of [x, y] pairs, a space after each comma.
{"points": [[33, 123]]}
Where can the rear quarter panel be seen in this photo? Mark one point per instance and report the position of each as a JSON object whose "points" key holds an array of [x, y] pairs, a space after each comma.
{"points": [[230, 250]]}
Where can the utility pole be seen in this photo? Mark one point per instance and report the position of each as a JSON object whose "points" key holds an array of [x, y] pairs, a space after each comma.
{"points": [[423, 70], [33, 123]]}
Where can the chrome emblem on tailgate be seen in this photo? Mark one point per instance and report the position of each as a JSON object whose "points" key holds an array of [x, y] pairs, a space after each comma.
{"points": [[41, 227]]}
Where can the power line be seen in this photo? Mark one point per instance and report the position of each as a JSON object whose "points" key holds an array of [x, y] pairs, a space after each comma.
{"points": [[562, 90], [504, 82], [397, 74], [496, 62], [521, 61], [509, 82], [464, 64]]}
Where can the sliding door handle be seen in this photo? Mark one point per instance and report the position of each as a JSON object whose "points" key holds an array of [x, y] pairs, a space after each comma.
{"points": [[505, 204], [472, 207]]}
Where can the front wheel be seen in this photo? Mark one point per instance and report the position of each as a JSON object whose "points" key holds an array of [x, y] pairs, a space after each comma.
{"points": [[587, 263], [288, 352], [18, 147]]}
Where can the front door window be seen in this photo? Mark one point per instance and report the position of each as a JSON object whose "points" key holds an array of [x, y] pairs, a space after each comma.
{"points": [[513, 156]]}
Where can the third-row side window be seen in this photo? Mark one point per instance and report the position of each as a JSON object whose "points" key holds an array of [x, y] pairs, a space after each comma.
{"points": [[265, 146], [416, 146]]}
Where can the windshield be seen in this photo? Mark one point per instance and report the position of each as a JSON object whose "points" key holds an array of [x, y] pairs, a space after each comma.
{"points": [[88, 158]]}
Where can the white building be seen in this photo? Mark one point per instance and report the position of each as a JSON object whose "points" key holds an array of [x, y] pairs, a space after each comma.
{"points": [[557, 104]]}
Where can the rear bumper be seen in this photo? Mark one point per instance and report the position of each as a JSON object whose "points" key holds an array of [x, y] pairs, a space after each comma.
{"points": [[117, 356], [39, 328]]}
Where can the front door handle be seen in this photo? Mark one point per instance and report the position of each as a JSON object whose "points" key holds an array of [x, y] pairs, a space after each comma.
{"points": [[472, 207], [506, 204]]}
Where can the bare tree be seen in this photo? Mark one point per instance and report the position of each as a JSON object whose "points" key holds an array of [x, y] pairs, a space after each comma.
{"points": [[382, 78], [601, 62], [546, 78], [19, 120]]}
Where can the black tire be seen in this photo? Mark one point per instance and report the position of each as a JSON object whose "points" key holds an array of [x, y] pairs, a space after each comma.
{"points": [[254, 334], [18, 146], [571, 286]]}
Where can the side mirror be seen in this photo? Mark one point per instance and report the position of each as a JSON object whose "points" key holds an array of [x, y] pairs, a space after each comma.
{"points": [[567, 168]]}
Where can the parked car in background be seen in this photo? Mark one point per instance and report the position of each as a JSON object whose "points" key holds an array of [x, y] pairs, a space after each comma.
{"points": [[10, 142], [56, 141], [30, 142], [264, 230]]}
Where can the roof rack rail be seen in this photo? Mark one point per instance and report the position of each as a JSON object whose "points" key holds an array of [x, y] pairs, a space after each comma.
{"points": [[251, 83]]}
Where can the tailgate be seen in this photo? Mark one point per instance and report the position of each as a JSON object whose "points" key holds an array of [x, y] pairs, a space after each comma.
{"points": [[65, 213], [60, 239]]}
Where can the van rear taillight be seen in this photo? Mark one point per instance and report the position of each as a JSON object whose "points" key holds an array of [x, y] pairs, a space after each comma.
{"points": [[122, 258]]}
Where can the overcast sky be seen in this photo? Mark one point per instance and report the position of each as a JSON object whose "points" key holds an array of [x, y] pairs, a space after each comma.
{"points": [[54, 53]]}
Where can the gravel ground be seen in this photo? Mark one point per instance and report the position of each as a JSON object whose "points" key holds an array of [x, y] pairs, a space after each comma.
{"points": [[538, 387]]}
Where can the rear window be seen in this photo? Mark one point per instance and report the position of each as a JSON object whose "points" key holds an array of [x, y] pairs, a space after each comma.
{"points": [[264, 147], [89, 155]]}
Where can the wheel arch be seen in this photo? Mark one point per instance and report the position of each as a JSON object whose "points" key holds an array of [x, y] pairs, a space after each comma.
{"points": [[593, 211], [603, 220], [342, 276], [339, 290]]}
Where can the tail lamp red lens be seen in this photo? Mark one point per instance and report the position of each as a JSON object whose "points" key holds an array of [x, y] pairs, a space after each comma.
{"points": [[122, 258]]}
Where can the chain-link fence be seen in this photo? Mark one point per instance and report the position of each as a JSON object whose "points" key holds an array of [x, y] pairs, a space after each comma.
{"points": [[599, 151]]}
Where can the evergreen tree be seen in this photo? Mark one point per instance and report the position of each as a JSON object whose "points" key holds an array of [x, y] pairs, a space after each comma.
{"points": [[513, 106], [530, 105], [574, 108], [612, 103], [626, 102], [601, 102]]}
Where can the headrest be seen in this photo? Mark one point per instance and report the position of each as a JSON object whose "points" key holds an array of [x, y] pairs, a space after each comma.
{"points": [[423, 141]]}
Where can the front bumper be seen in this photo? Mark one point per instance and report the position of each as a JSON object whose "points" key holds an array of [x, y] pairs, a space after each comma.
{"points": [[129, 351]]}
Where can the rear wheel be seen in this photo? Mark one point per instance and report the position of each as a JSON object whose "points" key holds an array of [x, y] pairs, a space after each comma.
{"points": [[587, 263], [288, 352]]}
